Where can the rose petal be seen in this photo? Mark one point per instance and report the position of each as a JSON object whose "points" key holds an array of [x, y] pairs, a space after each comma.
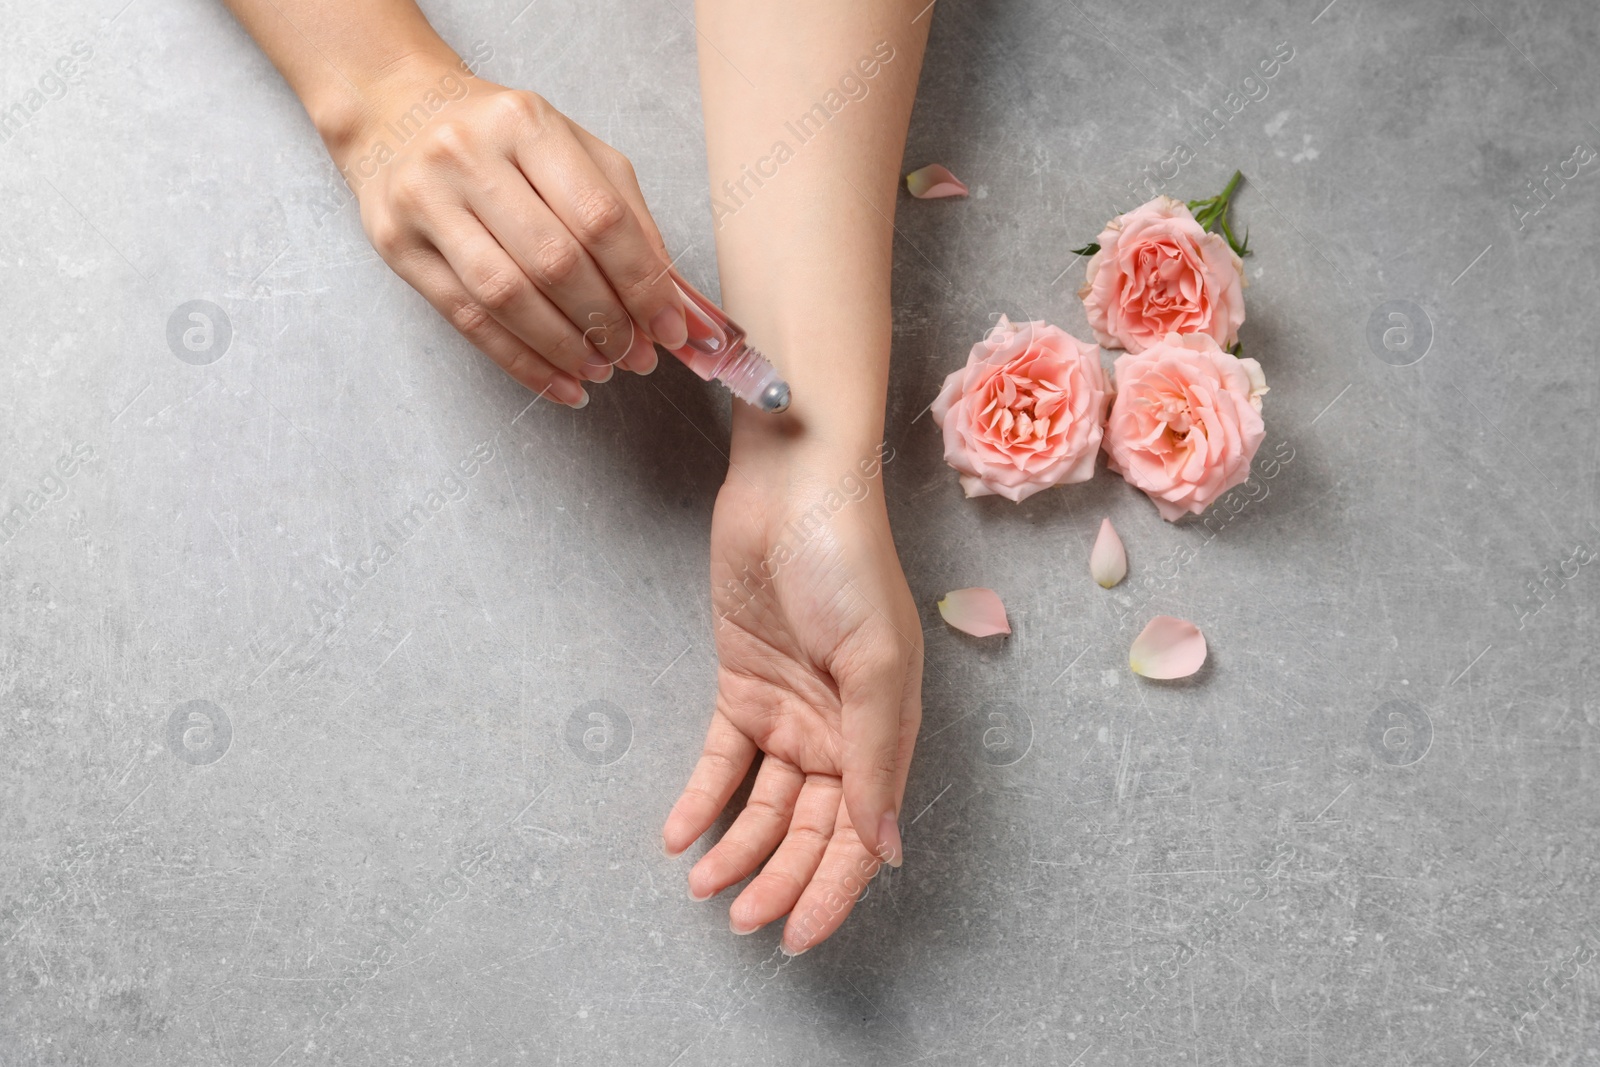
{"points": [[978, 612], [1168, 648], [1108, 560], [934, 181]]}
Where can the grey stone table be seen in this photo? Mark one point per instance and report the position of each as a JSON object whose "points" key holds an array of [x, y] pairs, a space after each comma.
{"points": [[269, 800]]}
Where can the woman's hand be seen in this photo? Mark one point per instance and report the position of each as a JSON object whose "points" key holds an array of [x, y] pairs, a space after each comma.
{"points": [[821, 672], [527, 233]]}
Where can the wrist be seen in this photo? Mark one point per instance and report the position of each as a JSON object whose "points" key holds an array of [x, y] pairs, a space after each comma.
{"points": [[804, 437], [777, 455], [830, 342], [350, 113]]}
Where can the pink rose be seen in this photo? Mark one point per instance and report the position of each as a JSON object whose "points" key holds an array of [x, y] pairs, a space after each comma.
{"points": [[1157, 272], [1186, 422], [1025, 413]]}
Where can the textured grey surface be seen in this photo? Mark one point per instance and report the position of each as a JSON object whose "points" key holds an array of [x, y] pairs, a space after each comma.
{"points": [[1366, 834]]}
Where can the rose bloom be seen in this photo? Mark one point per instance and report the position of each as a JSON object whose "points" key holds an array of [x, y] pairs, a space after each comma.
{"points": [[1157, 272], [1025, 413], [1186, 422]]}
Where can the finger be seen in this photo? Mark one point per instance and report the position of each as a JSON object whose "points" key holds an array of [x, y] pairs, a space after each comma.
{"points": [[564, 172], [497, 282], [754, 834], [617, 168], [871, 691], [774, 891], [641, 358], [723, 763], [426, 271], [552, 258], [847, 868]]}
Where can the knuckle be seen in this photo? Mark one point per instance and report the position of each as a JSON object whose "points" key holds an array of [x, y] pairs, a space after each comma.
{"points": [[881, 767], [603, 331], [624, 167], [557, 261], [736, 856], [523, 107], [787, 883], [763, 808], [447, 144], [614, 164], [471, 319], [702, 794], [524, 366], [408, 191], [599, 215], [570, 350], [640, 283], [808, 837], [386, 236], [615, 328], [850, 839], [721, 763], [497, 288]]}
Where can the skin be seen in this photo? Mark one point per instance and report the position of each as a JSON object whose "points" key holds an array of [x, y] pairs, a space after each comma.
{"points": [[821, 672], [532, 238], [526, 232]]}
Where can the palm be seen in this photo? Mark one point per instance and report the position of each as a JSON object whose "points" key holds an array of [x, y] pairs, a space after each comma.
{"points": [[818, 643], [775, 638]]}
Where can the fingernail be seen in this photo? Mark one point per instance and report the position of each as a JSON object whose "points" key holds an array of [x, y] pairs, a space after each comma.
{"points": [[597, 372], [569, 392], [669, 328], [787, 951], [698, 900], [641, 358], [889, 847], [741, 931]]}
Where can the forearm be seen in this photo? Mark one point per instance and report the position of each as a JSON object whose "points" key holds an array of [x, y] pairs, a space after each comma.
{"points": [[806, 110], [336, 55]]}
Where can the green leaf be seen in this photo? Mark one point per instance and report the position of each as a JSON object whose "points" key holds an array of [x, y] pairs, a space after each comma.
{"points": [[1240, 248], [1087, 250]]}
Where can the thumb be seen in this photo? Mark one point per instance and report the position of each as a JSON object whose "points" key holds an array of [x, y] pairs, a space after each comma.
{"points": [[877, 754]]}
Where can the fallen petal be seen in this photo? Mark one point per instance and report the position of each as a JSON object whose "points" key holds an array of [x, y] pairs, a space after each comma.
{"points": [[934, 181], [1108, 560], [978, 612], [1168, 648]]}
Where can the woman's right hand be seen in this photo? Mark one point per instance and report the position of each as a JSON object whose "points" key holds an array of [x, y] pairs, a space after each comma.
{"points": [[526, 232]]}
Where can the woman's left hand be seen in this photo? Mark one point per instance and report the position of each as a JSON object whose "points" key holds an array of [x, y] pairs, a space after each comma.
{"points": [[820, 650]]}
